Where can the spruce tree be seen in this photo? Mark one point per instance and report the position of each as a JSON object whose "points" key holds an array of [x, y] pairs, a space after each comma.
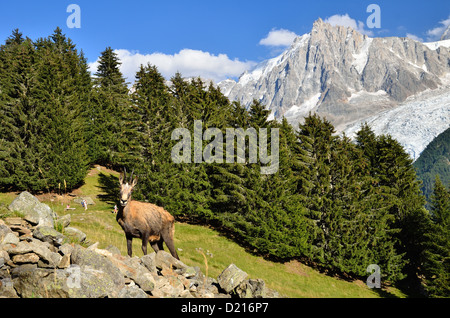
{"points": [[316, 139], [110, 139], [44, 89], [436, 267], [18, 115], [152, 109], [61, 91]]}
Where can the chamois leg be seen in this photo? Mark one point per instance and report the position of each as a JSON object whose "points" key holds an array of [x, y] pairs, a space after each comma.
{"points": [[144, 243], [130, 245], [167, 236], [155, 246]]}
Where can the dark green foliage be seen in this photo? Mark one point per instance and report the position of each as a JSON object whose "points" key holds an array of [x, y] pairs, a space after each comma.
{"points": [[436, 267], [45, 87], [434, 161], [109, 137]]}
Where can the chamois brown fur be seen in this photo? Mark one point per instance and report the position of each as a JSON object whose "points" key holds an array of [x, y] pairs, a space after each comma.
{"points": [[145, 221]]}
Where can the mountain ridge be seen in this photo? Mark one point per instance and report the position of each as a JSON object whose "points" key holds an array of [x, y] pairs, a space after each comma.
{"points": [[344, 75]]}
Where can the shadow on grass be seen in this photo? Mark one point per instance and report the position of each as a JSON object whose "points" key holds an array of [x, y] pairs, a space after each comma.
{"points": [[109, 186]]}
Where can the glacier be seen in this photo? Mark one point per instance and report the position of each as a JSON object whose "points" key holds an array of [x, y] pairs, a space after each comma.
{"points": [[398, 85], [414, 123]]}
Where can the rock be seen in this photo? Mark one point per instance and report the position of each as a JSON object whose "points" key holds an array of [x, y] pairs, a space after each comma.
{"points": [[4, 257], [84, 257], [10, 238], [32, 210], [4, 230], [95, 283], [270, 293], [75, 234], [166, 260], [48, 234], [23, 231], [189, 272], [149, 261], [132, 269], [132, 291], [15, 221], [64, 220], [231, 277], [74, 282], [66, 249], [113, 249], [88, 200], [65, 262], [7, 287], [168, 287], [186, 294], [48, 257], [251, 288], [139, 274], [25, 258]]}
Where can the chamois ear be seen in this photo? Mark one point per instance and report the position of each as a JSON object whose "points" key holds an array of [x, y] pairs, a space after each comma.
{"points": [[121, 177]]}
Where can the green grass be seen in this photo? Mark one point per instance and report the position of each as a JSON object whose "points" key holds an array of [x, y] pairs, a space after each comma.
{"points": [[291, 279]]}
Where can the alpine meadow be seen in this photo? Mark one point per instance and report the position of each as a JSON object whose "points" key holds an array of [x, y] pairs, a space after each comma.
{"points": [[333, 203]]}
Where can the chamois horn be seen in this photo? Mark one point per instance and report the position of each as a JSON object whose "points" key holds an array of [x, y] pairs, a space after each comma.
{"points": [[131, 176], [124, 174]]}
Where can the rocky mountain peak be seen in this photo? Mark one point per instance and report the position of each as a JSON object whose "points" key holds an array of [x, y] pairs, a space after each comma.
{"points": [[343, 75], [446, 34]]}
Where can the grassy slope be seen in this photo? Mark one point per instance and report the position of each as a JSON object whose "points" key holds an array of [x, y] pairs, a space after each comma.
{"points": [[291, 279]]}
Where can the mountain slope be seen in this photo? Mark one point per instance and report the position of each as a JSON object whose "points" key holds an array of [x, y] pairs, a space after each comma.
{"points": [[343, 75], [292, 279], [435, 160]]}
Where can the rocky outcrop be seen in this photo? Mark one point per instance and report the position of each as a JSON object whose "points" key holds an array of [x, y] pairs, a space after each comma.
{"points": [[33, 210], [38, 261]]}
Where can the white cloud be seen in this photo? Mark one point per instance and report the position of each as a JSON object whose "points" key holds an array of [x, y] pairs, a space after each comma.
{"points": [[346, 21], [279, 37], [190, 63], [436, 33], [414, 37]]}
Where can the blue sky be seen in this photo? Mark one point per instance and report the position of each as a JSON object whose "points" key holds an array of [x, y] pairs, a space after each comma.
{"points": [[215, 39]]}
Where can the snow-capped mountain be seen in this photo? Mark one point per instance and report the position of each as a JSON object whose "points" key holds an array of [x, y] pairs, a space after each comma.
{"points": [[350, 78], [446, 34]]}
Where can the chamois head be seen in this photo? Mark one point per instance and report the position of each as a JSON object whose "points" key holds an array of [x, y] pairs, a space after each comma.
{"points": [[126, 187]]}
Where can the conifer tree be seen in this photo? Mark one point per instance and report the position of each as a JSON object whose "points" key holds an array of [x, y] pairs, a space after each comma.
{"points": [[436, 267], [316, 139], [17, 115], [394, 180], [61, 89], [152, 107], [43, 105], [110, 138]]}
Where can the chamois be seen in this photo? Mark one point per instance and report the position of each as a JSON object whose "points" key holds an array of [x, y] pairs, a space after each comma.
{"points": [[146, 221]]}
